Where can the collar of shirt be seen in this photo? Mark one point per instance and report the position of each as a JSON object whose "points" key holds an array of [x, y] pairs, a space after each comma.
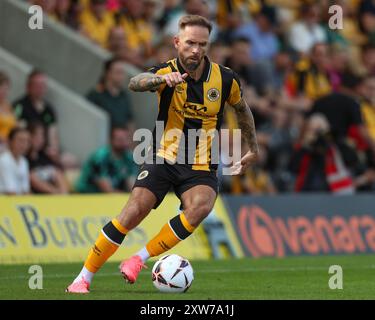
{"points": [[205, 74]]}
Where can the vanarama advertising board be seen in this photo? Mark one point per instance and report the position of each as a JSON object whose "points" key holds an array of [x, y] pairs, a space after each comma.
{"points": [[63, 228], [303, 224]]}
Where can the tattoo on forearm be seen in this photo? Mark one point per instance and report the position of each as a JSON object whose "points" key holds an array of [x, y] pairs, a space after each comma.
{"points": [[246, 124], [145, 82]]}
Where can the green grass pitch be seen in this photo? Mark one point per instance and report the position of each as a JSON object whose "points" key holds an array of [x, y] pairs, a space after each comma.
{"points": [[266, 278]]}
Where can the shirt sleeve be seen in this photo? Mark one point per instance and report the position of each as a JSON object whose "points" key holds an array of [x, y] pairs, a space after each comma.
{"points": [[8, 182], [235, 94]]}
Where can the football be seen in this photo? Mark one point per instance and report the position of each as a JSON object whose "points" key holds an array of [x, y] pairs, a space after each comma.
{"points": [[173, 274]]}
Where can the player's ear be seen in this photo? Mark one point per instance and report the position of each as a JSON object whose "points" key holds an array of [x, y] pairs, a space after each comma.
{"points": [[176, 41]]}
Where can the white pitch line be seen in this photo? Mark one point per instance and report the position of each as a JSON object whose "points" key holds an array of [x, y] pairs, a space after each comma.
{"points": [[287, 269]]}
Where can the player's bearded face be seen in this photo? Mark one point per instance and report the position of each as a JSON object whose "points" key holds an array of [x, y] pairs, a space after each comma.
{"points": [[191, 63], [192, 44]]}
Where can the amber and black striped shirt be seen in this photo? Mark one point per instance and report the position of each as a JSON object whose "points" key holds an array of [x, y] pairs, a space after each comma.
{"points": [[193, 105]]}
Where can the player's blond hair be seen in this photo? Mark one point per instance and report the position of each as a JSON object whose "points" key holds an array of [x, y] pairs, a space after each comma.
{"points": [[194, 20]]}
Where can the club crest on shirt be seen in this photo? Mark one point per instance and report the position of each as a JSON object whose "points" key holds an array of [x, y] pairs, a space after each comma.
{"points": [[179, 88], [142, 175], [213, 94]]}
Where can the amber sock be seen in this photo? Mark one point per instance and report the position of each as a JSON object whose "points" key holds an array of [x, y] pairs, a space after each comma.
{"points": [[108, 241], [176, 230]]}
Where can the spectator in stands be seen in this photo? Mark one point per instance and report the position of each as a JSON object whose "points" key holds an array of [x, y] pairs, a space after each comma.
{"points": [[368, 105], [343, 112], [367, 18], [110, 95], [229, 14], [264, 46], [116, 42], [255, 77], [342, 109], [240, 60], [219, 52], [14, 169], [367, 92], [252, 80], [120, 49], [67, 12], [149, 12], [164, 51], [170, 10], [306, 32], [33, 107], [199, 7], [97, 22], [261, 35], [283, 65], [368, 58], [138, 31], [7, 118], [318, 163], [110, 168], [309, 80], [45, 175], [339, 65]]}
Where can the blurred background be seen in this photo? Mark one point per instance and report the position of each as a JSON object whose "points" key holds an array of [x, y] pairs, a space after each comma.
{"points": [[311, 90]]}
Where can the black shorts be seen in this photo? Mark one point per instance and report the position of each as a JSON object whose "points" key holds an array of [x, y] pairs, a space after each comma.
{"points": [[161, 178]]}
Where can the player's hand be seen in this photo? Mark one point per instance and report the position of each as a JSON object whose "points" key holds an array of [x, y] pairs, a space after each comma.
{"points": [[174, 78], [240, 166]]}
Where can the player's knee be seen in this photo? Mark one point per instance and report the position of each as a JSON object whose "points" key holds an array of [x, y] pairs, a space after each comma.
{"points": [[137, 210], [132, 214], [195, 214]]}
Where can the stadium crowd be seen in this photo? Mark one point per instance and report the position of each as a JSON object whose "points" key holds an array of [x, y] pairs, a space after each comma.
{"points": [[311, 89]]}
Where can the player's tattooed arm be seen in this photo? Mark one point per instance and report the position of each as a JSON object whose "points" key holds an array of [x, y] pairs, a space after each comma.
{"points": [[247, 126], [149, 81], [145, 81]]}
